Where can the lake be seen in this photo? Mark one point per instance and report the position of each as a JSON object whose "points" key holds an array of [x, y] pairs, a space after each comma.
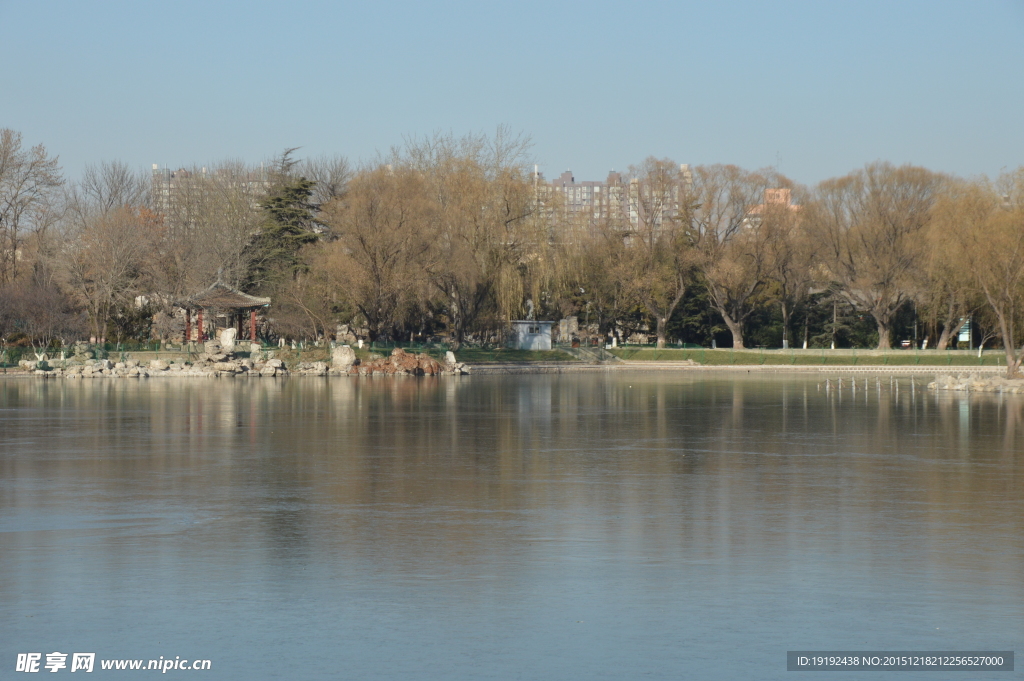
{"points": [[667, 525]]}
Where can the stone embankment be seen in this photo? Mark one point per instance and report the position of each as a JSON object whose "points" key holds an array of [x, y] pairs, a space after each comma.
{"points": [[222, 361], [976, 383], [400, 363]]}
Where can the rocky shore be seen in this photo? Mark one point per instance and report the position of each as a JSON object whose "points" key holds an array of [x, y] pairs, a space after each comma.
{"points": [[224, 361], [976, 383]]}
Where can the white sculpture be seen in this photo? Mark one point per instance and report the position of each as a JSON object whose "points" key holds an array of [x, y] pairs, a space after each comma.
{"points": [[227, 339]]}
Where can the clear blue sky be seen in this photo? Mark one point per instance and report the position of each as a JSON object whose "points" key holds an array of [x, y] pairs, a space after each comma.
{"points": [[817, 88]]}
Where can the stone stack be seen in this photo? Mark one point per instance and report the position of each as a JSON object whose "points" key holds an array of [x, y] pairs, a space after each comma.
{"points": [[402, 363]]}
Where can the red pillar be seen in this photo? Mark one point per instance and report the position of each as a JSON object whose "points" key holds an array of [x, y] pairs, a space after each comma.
{"points": [[252, 325], [200, 325], [188, 326]]}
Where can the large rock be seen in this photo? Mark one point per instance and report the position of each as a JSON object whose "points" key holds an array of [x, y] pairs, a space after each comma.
{"points": [[227, 340], [156, 365], [404, 364], [449, 358], [343, 357]]}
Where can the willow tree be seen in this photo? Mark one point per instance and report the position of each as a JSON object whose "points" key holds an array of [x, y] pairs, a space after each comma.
{"points": [[481, 234], [991, 239], [381, 229], [870, 225], [947, 295]]}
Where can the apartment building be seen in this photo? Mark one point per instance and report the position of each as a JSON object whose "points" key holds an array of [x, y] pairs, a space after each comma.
{"points": [[173, 188], [633, 203]]}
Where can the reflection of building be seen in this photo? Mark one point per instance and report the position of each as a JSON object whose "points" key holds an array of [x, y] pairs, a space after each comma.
{"points": [[530, 335]]}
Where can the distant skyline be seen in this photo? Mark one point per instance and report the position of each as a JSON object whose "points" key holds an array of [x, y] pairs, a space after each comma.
{"points": [[816, 89]]}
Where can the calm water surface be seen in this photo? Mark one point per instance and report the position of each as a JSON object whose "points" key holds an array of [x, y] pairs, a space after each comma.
{"points": [[670, 526]]}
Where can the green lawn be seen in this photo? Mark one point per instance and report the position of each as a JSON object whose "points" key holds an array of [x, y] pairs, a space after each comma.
{"points": [[720, 357]]}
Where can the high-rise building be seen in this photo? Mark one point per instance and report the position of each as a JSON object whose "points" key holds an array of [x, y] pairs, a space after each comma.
{"points": [[633, 203], [172, 188]]}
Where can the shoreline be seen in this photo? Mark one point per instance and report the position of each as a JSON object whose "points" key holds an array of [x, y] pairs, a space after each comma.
{"points": [[641, 365], [526, 368]]}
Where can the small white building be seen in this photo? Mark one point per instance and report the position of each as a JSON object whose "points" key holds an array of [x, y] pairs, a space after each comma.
{"points": [[530, 335]]}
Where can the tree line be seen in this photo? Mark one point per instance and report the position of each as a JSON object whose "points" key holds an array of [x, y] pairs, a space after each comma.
{"points": [[451, 237]]}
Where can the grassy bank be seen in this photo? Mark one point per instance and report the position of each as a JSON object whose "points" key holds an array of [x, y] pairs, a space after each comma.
{"points": [[724, 357]]}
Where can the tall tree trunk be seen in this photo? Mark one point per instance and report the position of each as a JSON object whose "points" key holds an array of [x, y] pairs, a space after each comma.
{"points": [[950, 331], [884, 332], [785, 325], [1013, 358], [950, 328], [736, 329], [662, 323], [456, 323]]}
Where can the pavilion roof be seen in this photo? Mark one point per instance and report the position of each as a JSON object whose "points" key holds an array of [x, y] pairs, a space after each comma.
{"points": [[223, 297]]}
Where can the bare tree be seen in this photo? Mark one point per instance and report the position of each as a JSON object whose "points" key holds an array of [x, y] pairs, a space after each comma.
{"points": [[102, 262], [657, 261], [29, 181], [791, 255], [331, 175], [726, 229], [870, 225], [211, 219], [36, 307], [109, 186]]}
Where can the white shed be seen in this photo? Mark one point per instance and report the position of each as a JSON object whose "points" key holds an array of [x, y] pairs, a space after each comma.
{"points": [[530, 335]]}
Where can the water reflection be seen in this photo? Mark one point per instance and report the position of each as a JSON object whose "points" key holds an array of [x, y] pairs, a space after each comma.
{"points": [[761, 511]]}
